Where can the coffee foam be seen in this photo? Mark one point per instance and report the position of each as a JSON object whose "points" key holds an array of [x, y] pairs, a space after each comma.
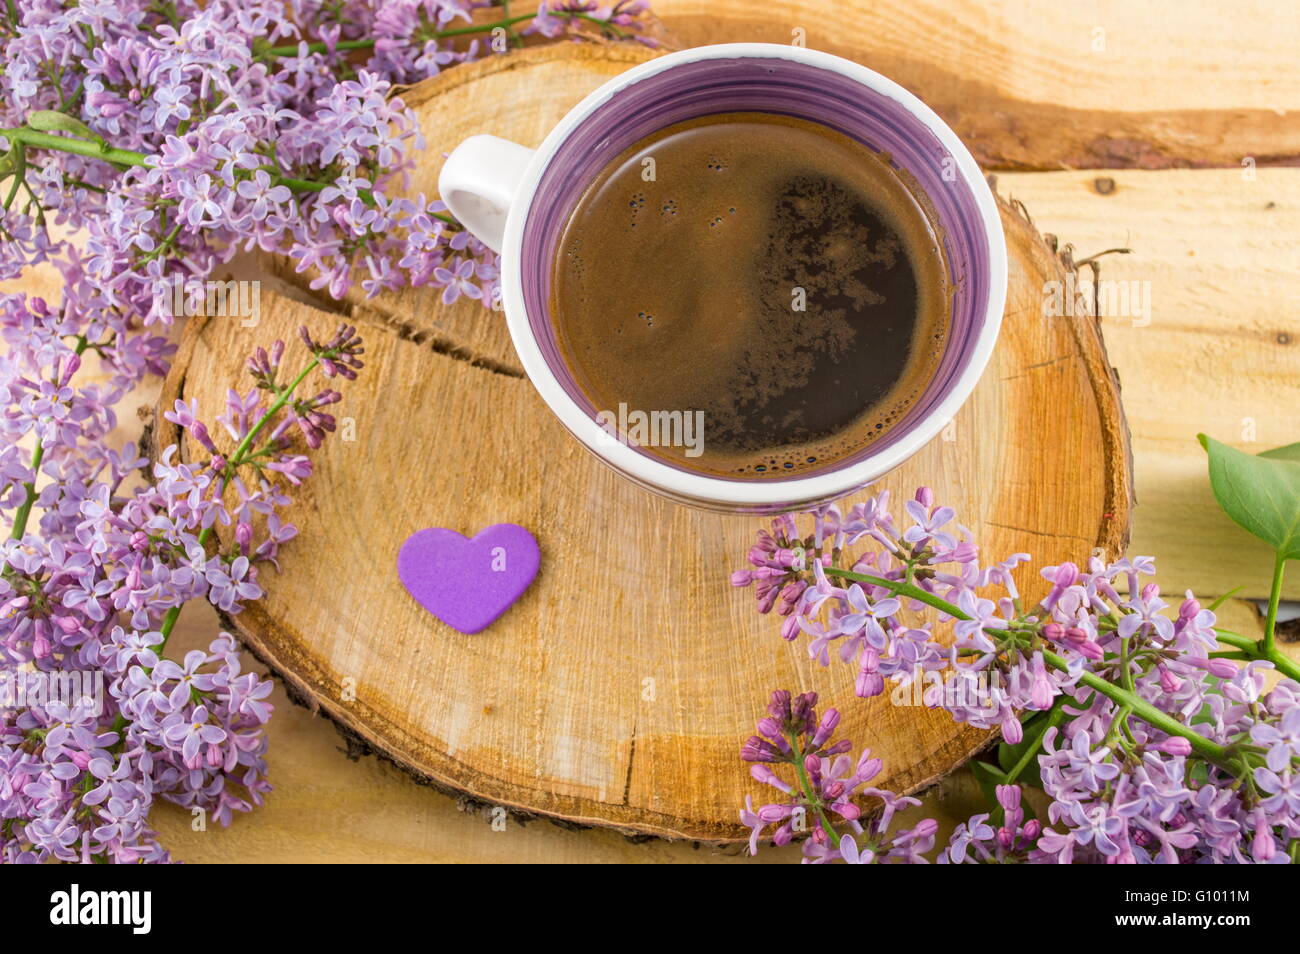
{"points": [[676, 293]]}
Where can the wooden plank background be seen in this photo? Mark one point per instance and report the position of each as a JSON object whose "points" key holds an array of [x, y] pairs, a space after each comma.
{"points": [[1102, 89]]}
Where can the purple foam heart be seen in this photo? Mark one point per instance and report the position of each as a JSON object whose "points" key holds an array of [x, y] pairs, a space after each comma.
{"points": [[468, 583]]}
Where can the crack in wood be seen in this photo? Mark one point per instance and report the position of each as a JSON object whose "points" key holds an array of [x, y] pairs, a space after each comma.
{"points": [[631, 758], [1040, 533]]}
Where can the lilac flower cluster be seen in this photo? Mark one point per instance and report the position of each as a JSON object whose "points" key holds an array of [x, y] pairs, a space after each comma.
{"points": [[97, 587], [171, 134], [1151, 743], [142, 144], [826, 781]]}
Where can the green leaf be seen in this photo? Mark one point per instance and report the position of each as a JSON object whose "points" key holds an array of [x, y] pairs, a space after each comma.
{"points": [[1260, 493], [1289, 452], [987, 773], [50, 120]]}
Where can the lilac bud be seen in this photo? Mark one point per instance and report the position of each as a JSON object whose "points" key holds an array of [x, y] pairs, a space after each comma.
{"points": [[1223, 668], [801, 710], [830, 719], [742, 578], [847, 810], [1176, 745], [1013, 733], [70, 367], [792, 591], [778, 705], [1262, 846], [784, 527], [1091, 650], [1008, 797], [925, 496], [1168, 681], [1041, 690], [784, 557], [759, 750], [869, 685]]}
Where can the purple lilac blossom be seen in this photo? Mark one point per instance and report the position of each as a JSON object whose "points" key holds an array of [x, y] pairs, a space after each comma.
{"points": [[239, 125], [1117, 788]]}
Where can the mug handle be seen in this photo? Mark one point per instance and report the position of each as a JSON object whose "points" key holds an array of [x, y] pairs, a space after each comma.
{"points": [[479, 182]]}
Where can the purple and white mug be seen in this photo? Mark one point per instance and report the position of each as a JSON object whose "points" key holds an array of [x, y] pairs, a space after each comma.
{"points": [[518, 200]]}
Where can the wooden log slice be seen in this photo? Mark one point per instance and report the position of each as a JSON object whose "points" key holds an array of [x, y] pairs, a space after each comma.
{"points": [[619, 689]]}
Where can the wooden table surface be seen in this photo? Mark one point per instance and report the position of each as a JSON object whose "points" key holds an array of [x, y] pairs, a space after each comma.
{"points": [[1166, 128]]}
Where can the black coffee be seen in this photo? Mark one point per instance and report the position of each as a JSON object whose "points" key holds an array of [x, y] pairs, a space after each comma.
{"points": [[766, 277]]}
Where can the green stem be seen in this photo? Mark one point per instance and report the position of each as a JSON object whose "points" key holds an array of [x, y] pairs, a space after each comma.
{"points": [[22, 136], [913, 591], [1208, 750], [604, 26], [1053, 719], [1274, 597], [237, 457], [1235, 639], [809, 795], [1254, 649], [25, 510], [232, 464], [19, 170], [80, 147]]}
